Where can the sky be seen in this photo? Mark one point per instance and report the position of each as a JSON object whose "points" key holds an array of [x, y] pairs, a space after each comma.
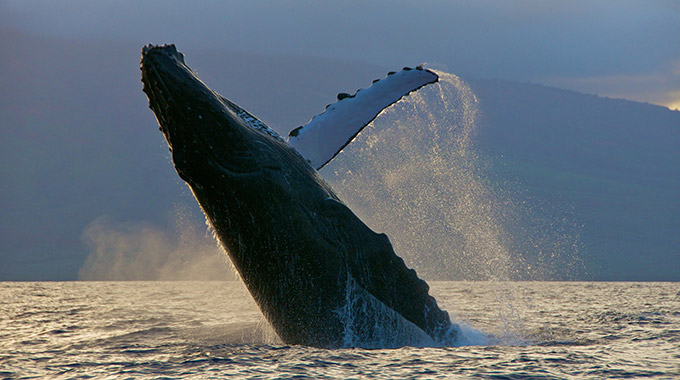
{"points": [[619, 48]]}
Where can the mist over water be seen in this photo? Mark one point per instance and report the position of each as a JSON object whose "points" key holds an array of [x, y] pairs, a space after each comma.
{"points": [[133, 251], [414, 174]]}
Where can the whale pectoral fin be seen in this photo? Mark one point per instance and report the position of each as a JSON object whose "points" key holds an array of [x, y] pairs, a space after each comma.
{"points": [[329, 132]]}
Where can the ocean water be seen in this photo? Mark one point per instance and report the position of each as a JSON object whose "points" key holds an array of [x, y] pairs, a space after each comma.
{"points": [[184, 330]]}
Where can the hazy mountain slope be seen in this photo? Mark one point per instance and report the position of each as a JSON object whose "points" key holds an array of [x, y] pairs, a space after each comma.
{"points": [[616, 162]]}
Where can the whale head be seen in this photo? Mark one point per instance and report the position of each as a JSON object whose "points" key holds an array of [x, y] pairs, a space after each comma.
{"points": [[206, 137], [226, 161]]}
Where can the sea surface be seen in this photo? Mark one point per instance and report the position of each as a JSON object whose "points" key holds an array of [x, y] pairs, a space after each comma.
{"points": [[202, 330]]}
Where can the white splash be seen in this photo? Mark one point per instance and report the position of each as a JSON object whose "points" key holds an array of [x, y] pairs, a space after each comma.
{"points": [[414, 173], [419, 182], [369, 323]]}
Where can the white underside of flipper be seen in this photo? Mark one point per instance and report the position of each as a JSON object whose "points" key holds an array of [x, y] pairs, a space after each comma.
{"points": [[329, 132]]}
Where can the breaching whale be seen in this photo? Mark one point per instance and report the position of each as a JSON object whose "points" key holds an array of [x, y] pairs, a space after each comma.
{"points": [[320, 276]]}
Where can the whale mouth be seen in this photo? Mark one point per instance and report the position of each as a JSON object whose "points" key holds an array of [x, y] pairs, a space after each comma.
{"points": [[192, 117]]}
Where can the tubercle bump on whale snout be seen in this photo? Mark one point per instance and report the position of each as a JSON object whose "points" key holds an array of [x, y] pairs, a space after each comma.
{"points": [[155, 60], [169, 49]]}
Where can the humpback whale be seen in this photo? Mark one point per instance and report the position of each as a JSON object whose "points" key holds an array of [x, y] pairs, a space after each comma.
{"points": [[319, 275]]}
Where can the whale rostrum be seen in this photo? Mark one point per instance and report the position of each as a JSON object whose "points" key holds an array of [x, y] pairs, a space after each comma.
{"points": [[319, 275]]}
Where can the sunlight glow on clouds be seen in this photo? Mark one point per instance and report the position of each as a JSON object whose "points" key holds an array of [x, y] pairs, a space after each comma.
{"points": [[674, 103], [662, 88]]}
